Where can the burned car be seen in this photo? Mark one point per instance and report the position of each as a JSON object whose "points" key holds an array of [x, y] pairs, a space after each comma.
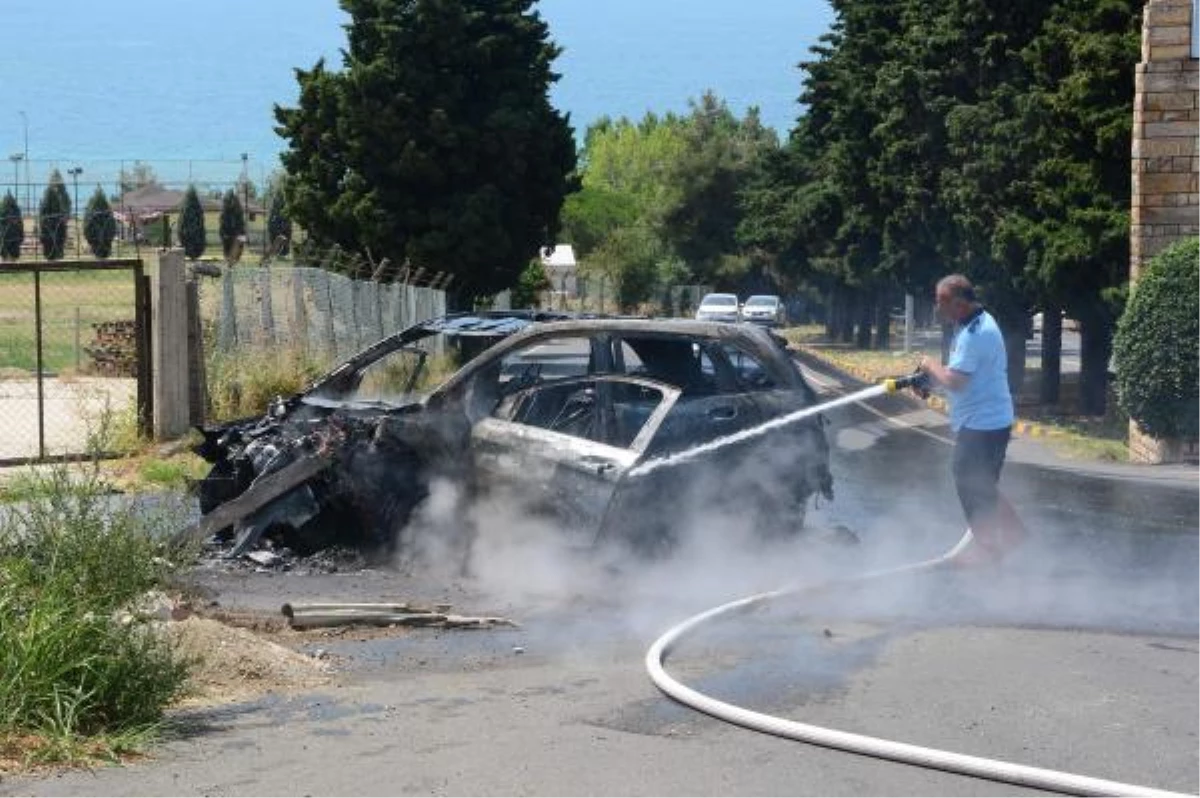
{"points": [[593, 422]]}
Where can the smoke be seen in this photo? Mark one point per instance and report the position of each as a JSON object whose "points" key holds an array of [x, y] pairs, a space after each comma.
{"points": [[1088, 569]]}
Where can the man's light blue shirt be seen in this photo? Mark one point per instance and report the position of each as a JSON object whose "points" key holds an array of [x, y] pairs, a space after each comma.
{"points": [[978, 351]]}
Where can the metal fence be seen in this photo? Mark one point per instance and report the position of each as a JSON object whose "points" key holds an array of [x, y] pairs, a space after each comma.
{"points": [[327, 316], [72, 357]]}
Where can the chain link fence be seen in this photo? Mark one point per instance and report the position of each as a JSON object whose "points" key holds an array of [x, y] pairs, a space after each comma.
{"points": [[68, 359]]}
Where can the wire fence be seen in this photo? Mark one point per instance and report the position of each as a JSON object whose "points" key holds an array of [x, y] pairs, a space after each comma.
{"points": [[324, 315], [68, 358]]}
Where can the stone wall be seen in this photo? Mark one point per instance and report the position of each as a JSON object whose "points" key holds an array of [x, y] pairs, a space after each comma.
{"points": [[1165, 205]]}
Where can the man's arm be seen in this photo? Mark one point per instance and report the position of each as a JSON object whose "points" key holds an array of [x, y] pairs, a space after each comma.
{"points": [[947, 377]]}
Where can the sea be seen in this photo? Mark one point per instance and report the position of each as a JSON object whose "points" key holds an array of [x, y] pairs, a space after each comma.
{"points": [[186, 89]]}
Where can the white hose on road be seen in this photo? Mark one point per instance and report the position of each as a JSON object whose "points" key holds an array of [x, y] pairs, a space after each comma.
{"points": [[991, 769]]}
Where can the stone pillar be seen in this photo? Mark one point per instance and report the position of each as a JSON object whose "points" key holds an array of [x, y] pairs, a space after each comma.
{"points": [[1165, 205], [169, 328]]}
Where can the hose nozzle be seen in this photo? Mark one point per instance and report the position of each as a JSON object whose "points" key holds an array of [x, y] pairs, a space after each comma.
{"points": [[918, 381]]}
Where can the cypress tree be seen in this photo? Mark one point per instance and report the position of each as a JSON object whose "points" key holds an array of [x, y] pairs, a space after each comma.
{"points": [[99, 226], [458, 92], [192, 234], [233, 221], [278, 224], [12, 228], [53, 214]]}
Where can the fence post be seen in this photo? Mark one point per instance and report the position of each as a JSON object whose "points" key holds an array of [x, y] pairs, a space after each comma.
{"points": [[299, 310], [197, 369], [169, 322], [266, 312], [227, 333]]}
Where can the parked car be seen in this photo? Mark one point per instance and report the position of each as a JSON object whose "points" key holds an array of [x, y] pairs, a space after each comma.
{"points": [[765, 309], [719, 307], [577, 419]]}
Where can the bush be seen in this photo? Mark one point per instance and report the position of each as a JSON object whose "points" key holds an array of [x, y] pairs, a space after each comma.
{"points": [[71, 562], [532, 282], [1155, 349]]}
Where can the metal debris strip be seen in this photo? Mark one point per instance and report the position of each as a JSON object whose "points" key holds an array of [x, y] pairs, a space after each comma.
{"points": [[314, 615]]}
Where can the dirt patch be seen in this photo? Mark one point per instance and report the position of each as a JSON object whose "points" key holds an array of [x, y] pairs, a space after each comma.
{"points": [[235, 664]]}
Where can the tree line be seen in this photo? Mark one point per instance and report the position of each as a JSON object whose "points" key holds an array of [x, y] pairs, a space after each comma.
{"points": [[53, 219], [967, 136], [970, 136], [99, 225]]}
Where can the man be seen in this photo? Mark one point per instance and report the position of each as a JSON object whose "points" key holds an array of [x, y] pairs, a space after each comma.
{"points": [[981, 415]]}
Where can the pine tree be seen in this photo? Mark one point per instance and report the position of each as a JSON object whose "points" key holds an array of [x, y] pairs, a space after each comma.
{"points": [[457, 93], [99, 226], [192, 234], [54, 212], [233, 222], [12, 228]]}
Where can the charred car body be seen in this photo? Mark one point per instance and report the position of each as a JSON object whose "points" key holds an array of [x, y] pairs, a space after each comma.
{"points": [[561, 415]]}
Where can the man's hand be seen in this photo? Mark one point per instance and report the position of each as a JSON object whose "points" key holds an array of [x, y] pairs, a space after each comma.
{"points": [[949, 378]]}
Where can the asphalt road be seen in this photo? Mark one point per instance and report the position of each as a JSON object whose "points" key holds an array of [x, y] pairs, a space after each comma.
{"points": [[1079, 655]]}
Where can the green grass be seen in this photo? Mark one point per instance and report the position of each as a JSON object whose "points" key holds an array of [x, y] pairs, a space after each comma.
{"points": [[81, 676], [71, 303], [243, 383], [171, 472]]}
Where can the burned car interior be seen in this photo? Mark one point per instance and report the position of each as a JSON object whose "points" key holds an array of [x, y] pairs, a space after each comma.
{"points": [[555, 410]]}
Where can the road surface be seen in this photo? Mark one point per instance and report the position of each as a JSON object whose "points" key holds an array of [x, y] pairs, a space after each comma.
{"points": [[1081, 655]]}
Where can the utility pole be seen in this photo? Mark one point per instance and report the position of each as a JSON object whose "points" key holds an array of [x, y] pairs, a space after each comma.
{"points": [[75, 172]]}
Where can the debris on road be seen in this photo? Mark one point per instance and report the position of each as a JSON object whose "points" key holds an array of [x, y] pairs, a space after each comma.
{"points": [[309, 616]]}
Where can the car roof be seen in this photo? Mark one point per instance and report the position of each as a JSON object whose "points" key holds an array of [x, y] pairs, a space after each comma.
{"points": [[719, 296], [753, 339], [763, 296]]}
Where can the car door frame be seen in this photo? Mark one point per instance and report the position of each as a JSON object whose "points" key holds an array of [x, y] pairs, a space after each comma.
{"points": [[566, 476]]}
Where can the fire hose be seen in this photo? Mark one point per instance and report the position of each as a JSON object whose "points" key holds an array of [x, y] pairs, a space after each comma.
{"points": [[980, 767]]}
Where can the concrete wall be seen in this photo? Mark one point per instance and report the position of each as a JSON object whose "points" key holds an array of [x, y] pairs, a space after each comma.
{"points": [[1165, 205]]}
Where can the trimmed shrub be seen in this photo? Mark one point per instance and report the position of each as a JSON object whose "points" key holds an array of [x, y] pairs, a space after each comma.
{"points": [[1155, 349]]}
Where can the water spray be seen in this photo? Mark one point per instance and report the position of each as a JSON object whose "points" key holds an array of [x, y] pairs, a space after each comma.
{"points": [[918, 381]]}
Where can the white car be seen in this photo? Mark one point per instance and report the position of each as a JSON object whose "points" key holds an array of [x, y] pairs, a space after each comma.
{"points": [[719, 307], [765, 309]]}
